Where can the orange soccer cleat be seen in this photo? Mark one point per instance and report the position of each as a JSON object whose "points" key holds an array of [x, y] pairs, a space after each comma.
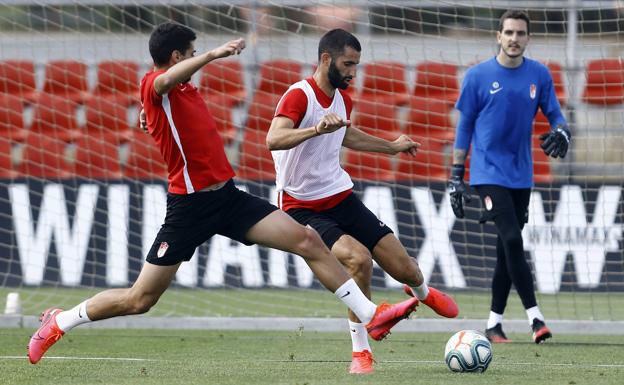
{"points": [[361, 363], [442, 303], [46, 336], [387, 315]]}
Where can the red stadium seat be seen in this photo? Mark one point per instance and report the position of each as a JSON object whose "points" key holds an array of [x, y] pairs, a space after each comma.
{"points": [[221, 110], [7, 169], [11, 118], [376, 118], [557, 75], [17, 77], [261, 111], [431, 162], [541, 163], [429, 118], [118, 80], [255, 162], [66, 78], [437, 81], [97, 158], [605, 82], [144, 160], [107, 119], [43, 156], [55, 116], [385, 82], [368, 166], [224, 79], [277, 75]]}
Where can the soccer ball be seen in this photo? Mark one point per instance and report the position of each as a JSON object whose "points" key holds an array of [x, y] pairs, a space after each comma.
{"points": [[468, 351]]}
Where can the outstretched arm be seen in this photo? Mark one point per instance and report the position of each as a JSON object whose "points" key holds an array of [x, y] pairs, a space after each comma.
{"points": [[283, 136], [183, 70], [357, 139]]}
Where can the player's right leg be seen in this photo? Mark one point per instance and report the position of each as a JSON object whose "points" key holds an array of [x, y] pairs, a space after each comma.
{"points": [[151, 283], [278, 230], [356, 258]]}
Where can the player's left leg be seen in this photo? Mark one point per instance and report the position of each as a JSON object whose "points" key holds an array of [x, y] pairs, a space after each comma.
{"points": [[360, 223], [392, 257]]}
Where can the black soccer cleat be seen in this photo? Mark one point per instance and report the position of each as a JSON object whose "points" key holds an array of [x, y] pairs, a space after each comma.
{"points": [[540, 331], [496, 335]]}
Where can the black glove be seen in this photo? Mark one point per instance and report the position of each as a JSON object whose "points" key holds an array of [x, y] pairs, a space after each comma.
{"points": [[555, 143], [458, 190]]}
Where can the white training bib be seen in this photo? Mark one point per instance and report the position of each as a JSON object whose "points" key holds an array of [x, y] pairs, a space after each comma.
{"points": [[312, 169]]}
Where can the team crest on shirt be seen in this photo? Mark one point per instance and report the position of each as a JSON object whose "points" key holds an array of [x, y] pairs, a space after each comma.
{"points": [[162, 249], [488, 203], [533, 91]]}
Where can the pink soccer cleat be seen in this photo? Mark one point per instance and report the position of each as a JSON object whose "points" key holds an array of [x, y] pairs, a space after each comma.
{"points": [[440, 302], [361, 363], [46, 336], [387, 315]]}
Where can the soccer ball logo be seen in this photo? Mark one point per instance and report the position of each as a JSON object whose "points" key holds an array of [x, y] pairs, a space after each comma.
{"points": [[468, 351]]}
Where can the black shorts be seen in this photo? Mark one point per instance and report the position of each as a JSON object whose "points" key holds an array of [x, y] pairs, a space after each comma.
{"points": [[499, 200], [349, 217], [194, 218]]}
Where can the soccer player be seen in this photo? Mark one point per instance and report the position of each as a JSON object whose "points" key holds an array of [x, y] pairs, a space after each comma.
{"points": [[203, 201], [497, 104], [310, 126]]}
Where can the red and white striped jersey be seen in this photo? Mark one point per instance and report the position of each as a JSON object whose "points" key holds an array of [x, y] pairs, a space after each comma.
{"points": [[187, 136], [311, 170]]}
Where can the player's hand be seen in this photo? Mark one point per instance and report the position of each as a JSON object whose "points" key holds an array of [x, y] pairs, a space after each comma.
{"points": [[232, 47], [330, 123], [460, 194], [143, 121], [405, 144], [555, 143]]}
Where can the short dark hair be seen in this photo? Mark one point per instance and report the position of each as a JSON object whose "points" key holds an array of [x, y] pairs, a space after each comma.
{"points": [[335, 41], [168, 37], [515, 14]]}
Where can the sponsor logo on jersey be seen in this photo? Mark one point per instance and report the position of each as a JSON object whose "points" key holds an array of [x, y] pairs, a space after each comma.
{"points": [[533, 91], [495, 88]]}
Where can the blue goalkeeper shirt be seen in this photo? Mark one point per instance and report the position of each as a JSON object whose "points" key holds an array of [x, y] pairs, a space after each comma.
{"points": [[497, 106]]}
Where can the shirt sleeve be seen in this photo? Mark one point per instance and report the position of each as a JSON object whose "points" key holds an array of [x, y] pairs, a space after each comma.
{"points": [[467, 104], [293, 106], [548, 101], [148, 93], [348, 103]]}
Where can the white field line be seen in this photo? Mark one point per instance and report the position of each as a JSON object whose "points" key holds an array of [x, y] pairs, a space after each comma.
{"points": [[578, 365], [78, 358]]}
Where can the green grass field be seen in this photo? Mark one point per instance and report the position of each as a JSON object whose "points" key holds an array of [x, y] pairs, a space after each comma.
{"points": [[321, 303], [296, 358]]}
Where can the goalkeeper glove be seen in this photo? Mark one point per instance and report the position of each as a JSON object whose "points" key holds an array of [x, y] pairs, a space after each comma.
{"points": [[555, 143], [458, 190]]}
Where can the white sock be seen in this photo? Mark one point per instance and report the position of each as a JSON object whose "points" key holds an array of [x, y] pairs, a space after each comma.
{"points": [[421, 291], [494, 319], [359, 336], [534, 312], [67, 320], [352, 296]]}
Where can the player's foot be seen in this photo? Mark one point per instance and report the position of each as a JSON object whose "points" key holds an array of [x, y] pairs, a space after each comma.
{"points": [[540, 331], [387, 315], [46, 336], [361, 363], [496, 335], [441, 303]]}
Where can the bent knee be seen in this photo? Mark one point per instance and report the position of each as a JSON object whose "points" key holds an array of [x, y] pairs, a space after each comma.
{"points": [[354, 256], [140, 303]]}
